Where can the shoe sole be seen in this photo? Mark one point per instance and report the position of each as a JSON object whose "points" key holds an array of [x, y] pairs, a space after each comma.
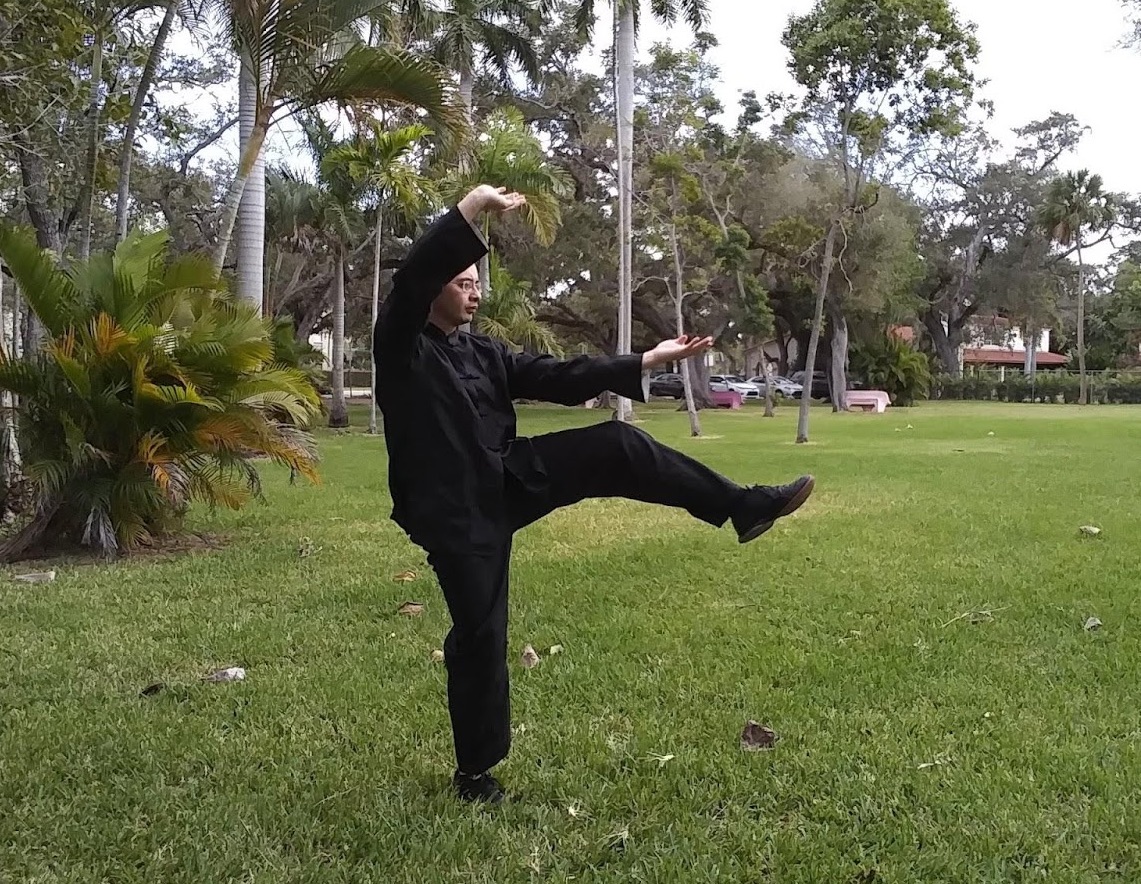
{"points": [[789, 508]]}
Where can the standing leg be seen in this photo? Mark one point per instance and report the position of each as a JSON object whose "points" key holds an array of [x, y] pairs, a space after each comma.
{"points": [[616, 460], [475, 653]]}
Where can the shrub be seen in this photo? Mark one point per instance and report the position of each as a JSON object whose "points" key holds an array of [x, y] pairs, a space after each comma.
{"points": [[894, 366], [153, 387]]}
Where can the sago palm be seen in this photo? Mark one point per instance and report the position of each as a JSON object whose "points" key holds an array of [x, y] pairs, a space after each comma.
{"points": [[156, 388]]}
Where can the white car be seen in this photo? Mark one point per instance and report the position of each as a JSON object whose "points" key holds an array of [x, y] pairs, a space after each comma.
{"points": [[781, 385], [721, 383]]}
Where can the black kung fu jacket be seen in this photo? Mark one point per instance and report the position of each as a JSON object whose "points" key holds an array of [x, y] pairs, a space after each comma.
{"points": [[449, 422]]}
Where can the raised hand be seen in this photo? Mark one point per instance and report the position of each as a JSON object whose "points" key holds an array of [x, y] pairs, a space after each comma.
{"points": [[675, 350], [497, 199]]}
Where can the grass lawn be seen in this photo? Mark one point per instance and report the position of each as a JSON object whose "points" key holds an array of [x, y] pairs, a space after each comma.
{"points": [[915, 747]]}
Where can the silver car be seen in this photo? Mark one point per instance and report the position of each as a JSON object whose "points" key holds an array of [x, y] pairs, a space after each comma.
{"points": [[781, 385], [720, 383]]}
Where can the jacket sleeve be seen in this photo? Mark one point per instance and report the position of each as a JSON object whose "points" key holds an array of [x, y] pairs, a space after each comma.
{"points": [[450, 245], [574, 381]]}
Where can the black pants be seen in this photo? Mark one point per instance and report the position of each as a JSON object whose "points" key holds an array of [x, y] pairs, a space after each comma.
{"points": [[608, 460]]}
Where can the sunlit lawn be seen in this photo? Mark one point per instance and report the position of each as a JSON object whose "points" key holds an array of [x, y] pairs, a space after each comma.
{"points": [[917, 744]]}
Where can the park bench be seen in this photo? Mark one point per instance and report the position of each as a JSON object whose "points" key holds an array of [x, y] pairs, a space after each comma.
{"points": [[725, 398], [868, 400]]}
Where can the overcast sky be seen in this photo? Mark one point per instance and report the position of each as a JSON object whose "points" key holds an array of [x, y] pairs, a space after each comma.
{"points": [[1039, 56]]}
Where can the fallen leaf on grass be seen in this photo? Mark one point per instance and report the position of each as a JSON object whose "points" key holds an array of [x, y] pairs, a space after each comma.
{"points": [[437, 656], [152, 689], [938, 762], [990, 434], [1090, 530], [617, 840], [233, 673], [305, 548], [411, 609], [404, 577], [1092, 623], [555, 649], [975, 617], [36, 577], [756, 737], [529, 659], [662, 760]]}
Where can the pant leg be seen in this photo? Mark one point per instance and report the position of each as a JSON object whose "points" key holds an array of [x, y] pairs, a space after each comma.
{"points": [[475, 654], [614, 459]]}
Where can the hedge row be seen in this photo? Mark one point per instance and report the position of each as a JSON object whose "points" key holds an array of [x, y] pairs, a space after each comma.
{"points": [[1104, 387]]}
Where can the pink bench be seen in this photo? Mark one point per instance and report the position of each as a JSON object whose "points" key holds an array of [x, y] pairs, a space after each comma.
{"points": [[725, 398], [868, 400]]}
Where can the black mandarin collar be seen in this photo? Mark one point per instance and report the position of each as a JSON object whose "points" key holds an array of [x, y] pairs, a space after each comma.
{"points": [[434, 331]]}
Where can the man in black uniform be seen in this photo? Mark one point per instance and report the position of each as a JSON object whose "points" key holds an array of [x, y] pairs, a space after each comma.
{"points": [[463, 483]]}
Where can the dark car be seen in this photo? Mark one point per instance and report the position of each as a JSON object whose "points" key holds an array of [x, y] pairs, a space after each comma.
{"points": [[819, 384], [667, 384]]}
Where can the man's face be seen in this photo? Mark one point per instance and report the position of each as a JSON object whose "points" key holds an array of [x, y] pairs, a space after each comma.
{"points": [[458, 300]]}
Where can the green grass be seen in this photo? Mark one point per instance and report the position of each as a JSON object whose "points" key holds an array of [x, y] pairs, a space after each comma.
{"points": [[330, 762]]}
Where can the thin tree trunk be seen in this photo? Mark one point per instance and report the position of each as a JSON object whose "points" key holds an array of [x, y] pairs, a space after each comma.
{"points": [[814, 338], [251, 210], [372, 424], [87, 207], [624, 106], [467, 92], [1083, 383], [839, 367], [768, 376], [141, 91], [234, 196], [338, 413], [679, 320]]}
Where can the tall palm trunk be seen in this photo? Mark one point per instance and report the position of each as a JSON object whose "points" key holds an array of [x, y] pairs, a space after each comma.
{"points": [[88, 195], [251, 209], [1083, 387], [372, 424], [624, 108], [814, 338], [250, 156], [141, 92], [338, 413]]}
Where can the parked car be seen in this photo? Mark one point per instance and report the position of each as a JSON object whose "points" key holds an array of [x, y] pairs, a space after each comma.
{"points": [[720, 383], [782, 386], [819, 384], [667, 384]]}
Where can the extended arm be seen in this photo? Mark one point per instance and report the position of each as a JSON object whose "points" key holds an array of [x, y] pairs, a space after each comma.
{"points": [[574, 381]]}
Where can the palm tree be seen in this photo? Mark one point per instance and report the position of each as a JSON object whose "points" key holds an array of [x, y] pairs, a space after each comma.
{"points": [[465, 33], [1076, 202], [302, 55], [377, 163], [509, 314], [508, 154], [626, 16]]}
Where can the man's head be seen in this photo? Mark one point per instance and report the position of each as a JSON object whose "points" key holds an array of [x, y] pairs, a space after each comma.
{"points": [[457, 301]]}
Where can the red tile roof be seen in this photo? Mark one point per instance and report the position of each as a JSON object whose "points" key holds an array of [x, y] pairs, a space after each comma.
{"points": [[979, 356]]}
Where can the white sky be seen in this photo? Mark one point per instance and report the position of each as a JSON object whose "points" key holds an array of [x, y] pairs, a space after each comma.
{"points": [[1039, 56]]}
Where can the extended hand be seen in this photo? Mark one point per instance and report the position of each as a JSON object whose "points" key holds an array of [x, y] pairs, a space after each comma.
{"points": [[486, 198], [675, 350]]}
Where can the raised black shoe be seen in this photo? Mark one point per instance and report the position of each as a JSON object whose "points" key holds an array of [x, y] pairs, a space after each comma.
{"points": [[478, 787], [762, 505]]}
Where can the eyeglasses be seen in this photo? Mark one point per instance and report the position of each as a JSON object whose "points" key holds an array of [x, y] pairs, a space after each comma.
{"points": [[467, 285]]}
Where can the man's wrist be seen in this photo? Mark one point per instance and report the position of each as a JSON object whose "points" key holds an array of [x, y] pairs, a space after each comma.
{"points": [[473, 204]]}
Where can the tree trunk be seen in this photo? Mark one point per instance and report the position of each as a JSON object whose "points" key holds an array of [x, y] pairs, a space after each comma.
{"points": [[251, 210], [768, 376], [372, 425], [338, 412], [624, 107], [839, 369], [679, 322], [233, 201], [699, 372], [141, 91], [814, 338], [1083, 383], [467, 91], [946, 348], [87, 204]]}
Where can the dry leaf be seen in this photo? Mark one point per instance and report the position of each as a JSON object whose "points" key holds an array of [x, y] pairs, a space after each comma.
{"points": [[990, 434], [529, 659], [555, 649], [910, 427], [411, 609], [1092, 623], [152, 689], [662, 760], [305, 548], [437, 656], [36, 577], [756, 737], [938, 762], [617, 840], [234, 673], [1090, 530], [404, 577]]}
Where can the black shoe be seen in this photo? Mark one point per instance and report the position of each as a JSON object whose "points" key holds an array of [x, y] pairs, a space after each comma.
{"points": [[762, 505], [478, 787]]}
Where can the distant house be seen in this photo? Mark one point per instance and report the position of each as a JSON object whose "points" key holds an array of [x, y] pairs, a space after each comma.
{"points": [[994, 342]]}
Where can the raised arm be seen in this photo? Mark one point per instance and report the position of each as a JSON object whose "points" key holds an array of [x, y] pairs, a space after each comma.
{"points": [[574, 381], [449, 245]]}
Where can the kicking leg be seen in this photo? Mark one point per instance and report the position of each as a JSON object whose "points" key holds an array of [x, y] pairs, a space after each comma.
{"points": [[616, 460], [475, 653]]}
